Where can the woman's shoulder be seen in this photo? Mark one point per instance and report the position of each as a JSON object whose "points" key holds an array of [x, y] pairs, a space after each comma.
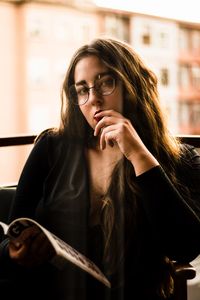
{"points": [[189, 152], [190, 157], [48, 134], [55, 141], [55, 135], [49, 142]]}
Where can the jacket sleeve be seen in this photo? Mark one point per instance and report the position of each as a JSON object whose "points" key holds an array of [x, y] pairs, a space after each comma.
{"points": [[174, 216], [29, 192], [30, 186]]}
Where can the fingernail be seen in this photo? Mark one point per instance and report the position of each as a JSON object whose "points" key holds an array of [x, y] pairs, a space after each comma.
{"points": [[18, 245]]}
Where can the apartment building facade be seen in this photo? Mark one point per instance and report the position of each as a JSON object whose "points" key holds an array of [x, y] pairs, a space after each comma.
{"points": [[189, 78], [171, 48]]}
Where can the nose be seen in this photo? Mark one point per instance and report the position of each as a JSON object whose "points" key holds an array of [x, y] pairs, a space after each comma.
{"points": [[93, 96]]}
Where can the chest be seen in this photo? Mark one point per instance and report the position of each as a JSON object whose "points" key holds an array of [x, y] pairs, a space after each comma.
{"points": [[100, 168], [100, 172]]}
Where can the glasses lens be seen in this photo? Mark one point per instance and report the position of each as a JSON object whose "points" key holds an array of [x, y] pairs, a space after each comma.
{"points": [[106, 85], [78, 94]]}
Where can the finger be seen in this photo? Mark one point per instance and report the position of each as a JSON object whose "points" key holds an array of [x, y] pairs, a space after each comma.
{"points": [[36, 242], [104, 122], [28, 233], [46, 251], [102, 116], [100, 125], [42, 254], [19, 247], [108, 113], [42, 246], [18, 251], [108, 136]]}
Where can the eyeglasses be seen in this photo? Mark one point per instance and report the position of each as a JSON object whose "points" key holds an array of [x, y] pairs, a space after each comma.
{"points": [[103, 86]]}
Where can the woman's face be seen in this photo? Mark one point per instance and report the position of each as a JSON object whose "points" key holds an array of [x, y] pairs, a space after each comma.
{"points": [[90, 71]]}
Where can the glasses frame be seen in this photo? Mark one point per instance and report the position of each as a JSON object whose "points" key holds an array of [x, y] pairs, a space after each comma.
{"points": [[95, 89]]}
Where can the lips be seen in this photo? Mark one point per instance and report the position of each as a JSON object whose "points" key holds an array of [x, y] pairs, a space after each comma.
{"points": [[97, 119]]}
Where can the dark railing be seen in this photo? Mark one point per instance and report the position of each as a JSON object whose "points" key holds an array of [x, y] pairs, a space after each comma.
{"points": [[17, 140], [191, 140], [29, 139]]}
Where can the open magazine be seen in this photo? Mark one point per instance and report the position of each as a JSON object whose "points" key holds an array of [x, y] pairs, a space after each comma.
{"points": [[64, 252]]}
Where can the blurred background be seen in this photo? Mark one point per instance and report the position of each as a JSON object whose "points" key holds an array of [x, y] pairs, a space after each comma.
{"points": [[38, 39]]}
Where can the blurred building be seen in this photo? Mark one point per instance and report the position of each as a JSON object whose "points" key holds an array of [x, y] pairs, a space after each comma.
{"points": [[39, 37], [189, 78], [172, 49]]}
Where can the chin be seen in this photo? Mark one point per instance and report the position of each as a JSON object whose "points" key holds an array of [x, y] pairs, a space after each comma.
{"points": [[92, 126]]}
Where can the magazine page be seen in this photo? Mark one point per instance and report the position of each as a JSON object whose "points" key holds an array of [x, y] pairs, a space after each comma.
{"points": [[65, 253], [4, 227]]}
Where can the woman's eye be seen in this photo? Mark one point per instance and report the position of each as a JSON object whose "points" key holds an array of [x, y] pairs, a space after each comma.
{"points": [[82, 90], [108, 82]]}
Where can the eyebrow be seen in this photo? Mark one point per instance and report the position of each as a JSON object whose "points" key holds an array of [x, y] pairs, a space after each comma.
{"points": [[82, 82]]}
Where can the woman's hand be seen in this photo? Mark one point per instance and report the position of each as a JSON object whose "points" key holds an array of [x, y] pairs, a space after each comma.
{"points": [[116, 129], [31, 249]]}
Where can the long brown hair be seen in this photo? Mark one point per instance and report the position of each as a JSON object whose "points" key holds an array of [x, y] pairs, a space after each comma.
{"points": [[142, 108], [141, 101]]}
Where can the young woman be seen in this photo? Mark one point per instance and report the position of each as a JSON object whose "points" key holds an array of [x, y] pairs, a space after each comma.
{"points": [[112, 182]]}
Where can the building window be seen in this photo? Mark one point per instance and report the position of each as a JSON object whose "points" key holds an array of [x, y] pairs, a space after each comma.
{"points": [[189, 116], [195, 73], [60, 28], [118, 27], [37, 72], [37, 29], [196, 115], [146, 35], [184, 39], [163, 40], [184, 76], [196, 40], [164, 77], [183, 113], [86, 32]]}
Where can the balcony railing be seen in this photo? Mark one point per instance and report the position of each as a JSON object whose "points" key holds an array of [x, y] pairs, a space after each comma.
{"points": [[29, 139], [17, 140]]}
